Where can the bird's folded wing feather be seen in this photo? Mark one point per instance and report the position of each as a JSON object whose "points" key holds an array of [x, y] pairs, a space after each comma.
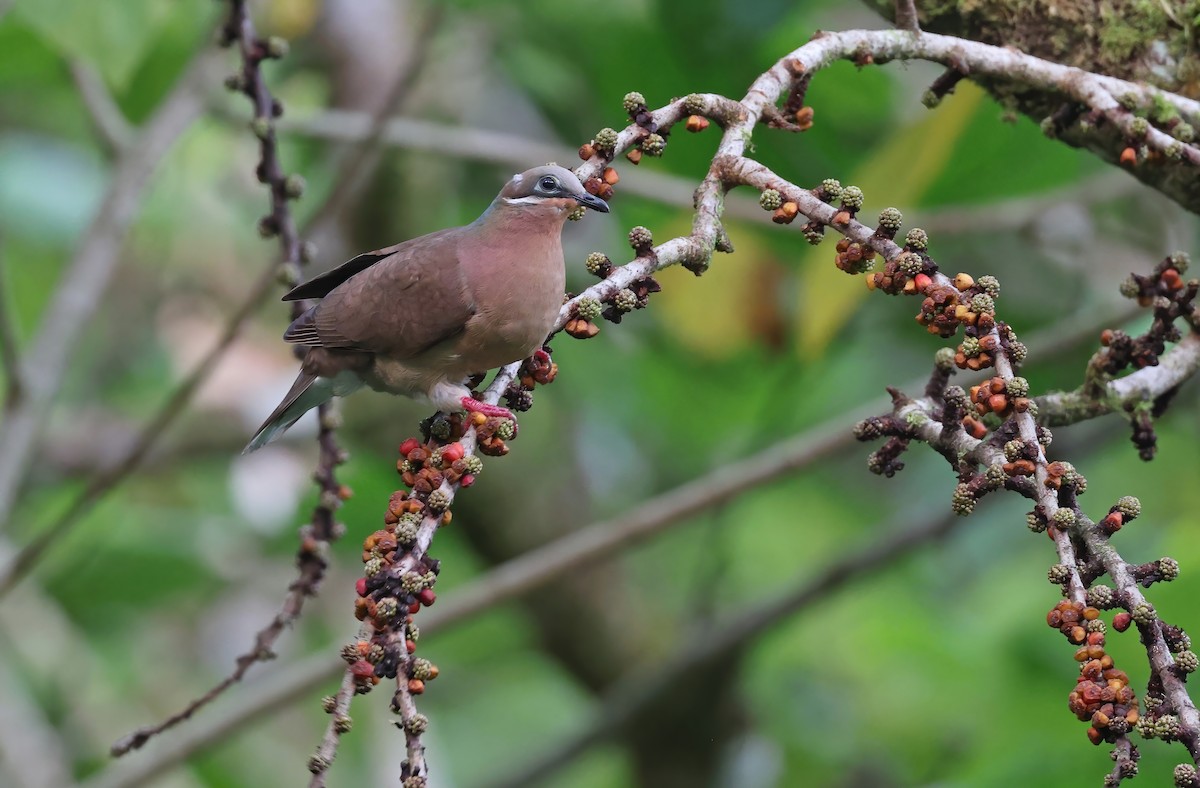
{"points": [[399, 305]]}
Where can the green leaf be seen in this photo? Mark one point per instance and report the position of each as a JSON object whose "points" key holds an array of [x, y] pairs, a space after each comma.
{"points": [[112, 36]]}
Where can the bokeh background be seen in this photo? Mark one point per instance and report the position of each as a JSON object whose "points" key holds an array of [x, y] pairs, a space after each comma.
{"points": [[935, 668]]}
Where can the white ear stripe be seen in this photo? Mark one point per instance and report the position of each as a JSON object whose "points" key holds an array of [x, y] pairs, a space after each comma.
{"points": [[518, 178]]}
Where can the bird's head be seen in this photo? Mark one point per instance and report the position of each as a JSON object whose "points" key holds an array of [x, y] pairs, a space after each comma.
{"points": [[549, 186]]}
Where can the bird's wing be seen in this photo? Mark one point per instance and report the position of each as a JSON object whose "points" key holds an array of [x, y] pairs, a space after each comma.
{"points": [[413, 298], [320, 286]]}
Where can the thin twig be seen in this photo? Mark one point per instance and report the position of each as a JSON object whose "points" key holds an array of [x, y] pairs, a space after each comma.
{"points": [[322, 528], [906, 16], [81, 290], [10, 357], [339, 717], [114, 130]]}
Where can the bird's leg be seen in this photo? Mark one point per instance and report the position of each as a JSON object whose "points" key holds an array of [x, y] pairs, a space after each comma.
{"points": [[472, 405]]}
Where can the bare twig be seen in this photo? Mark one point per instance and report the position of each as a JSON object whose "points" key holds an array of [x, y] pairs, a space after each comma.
{"points": [[322, 529], [906, 16], [339, 723], [114, 130], [81, 290], [10, 359]]}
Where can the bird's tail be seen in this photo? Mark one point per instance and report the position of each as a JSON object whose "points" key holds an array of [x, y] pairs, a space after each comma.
{"points": [[306, 393]]}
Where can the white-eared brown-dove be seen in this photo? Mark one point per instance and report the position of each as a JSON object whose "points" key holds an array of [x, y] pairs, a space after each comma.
{"points": [[419, 317]]}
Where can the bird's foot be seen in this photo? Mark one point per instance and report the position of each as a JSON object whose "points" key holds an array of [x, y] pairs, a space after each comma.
{"points": [[472, 405]]}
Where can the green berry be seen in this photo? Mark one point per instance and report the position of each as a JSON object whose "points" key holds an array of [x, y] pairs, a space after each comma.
{"points": [[1187, 661], [422, 669], [606, 139], [1017, 387], [770, 200], [1018, 352], [963, 502], [1129, 506], [588, 309], [596, 262], [917, 239], [1100, 596], [1144, 614], [970, 347], [505, 430], [261, 128], [990, 285], [1139, 127], [909, 263], [1034, 522], [474, 465], [1180, 261], [373, 567], [654, 145], [1013, 450], [1059, 574], [943, 359], [890, 219], [1168, 568], [1185, 776], [983, 304], [813, 234], [342, 723], [387, 608], [633, 102], [277, 47], [831, 188], [1184, 132], [694, 104], [406, 533], [852, 198], [640, 239], [625, 300], [1063, 518], [438, 500], [416, 724]]}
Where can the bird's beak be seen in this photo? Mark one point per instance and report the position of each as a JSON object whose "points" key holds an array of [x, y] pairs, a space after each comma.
{"points": [[591, 201]]}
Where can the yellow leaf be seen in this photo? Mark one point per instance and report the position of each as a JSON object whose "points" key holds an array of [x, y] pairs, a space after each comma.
{"points": [[723, 311], [898, 172]]}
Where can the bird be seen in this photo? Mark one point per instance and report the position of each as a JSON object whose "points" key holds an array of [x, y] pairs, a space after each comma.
{"points": [[418, 318]]}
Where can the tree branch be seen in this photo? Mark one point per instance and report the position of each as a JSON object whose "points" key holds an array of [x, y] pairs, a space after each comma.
{"points": [[114, 130], [80, 292]]}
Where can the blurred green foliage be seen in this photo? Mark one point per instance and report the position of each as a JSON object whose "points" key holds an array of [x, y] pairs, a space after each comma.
{"points": [[935, 670]]}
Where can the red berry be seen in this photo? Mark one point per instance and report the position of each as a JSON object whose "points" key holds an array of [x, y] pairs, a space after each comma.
{"points": [[452, 452], [426, 596], [362, 669], [408, 446], [467, 480], [360, 586]]}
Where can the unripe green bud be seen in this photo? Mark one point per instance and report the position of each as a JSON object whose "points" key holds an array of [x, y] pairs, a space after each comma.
{"points": [[633, 102], [890, 219], [770, 200], [606, 140], [588, 309], [852, 198], [917, 239]]}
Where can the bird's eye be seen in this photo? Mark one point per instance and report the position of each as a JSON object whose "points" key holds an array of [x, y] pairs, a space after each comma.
{"points": [[548, 183]]}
